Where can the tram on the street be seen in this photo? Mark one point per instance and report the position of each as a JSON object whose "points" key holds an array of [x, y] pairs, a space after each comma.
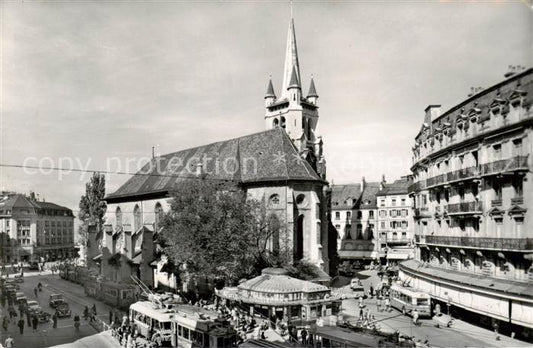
{"points": [[181, 325], [151, 321], [408, 299]]}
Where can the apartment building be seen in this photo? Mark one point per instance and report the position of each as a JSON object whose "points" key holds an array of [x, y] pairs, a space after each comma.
{"points": [[473, 194], [395, 221], [34, 230]]}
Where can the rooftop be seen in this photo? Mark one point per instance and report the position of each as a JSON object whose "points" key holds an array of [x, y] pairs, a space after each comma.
{"points": [[398, 187], [261, 157]]}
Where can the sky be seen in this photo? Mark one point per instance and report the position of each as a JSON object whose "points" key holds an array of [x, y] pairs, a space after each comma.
{"points": [[95, 84]]}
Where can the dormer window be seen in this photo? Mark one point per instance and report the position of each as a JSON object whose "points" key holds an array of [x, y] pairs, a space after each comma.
{"points": [[282, 123], [515, 99], [496, 106], [473, 114]]}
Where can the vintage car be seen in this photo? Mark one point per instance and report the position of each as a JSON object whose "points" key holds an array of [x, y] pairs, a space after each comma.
{"points": [[20, 298], [11, 282], [33, 307], [63, 310], [56, 299]]}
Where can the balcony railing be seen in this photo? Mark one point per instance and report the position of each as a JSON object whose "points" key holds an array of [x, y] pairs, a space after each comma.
{"points": [[492, 168], [517, 201], [490, 243], [511, 164], [496, 203], [465, 208]]}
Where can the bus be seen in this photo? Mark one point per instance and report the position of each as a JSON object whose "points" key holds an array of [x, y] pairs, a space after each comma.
{"points": [[407, 299], [181, 325]]}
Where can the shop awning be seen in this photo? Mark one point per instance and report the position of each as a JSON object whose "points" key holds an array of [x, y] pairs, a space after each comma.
{"points": [[398, 256]]}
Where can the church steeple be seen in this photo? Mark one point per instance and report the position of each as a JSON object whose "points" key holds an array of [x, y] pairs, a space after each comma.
{"points": [[297, 115], [270, 96], [312, 96], [291, 60]]}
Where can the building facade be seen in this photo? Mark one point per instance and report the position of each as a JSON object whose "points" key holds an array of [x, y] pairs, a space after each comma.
{"points": [[283, 166], [373, 220], [473, 194], [395, 221], [354, 215], [34, 230]]}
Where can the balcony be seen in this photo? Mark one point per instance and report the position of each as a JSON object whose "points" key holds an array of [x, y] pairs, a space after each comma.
{"points": [[517, 201], [465, 208], [516, 163], [522, 244], [421, 212], [463, 174]]}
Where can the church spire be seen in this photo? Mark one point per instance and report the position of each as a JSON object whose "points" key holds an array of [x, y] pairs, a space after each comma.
{"points": [[270, 90], [291, 60]]}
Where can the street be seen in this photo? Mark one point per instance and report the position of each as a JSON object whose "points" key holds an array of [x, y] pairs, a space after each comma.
{"points": [[460, 333], [65, 332]]}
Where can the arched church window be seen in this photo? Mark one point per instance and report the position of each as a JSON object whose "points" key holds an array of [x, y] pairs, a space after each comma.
{"points": [[118, 217], [300, 199], [274, 200], [157, 220], [275, 123], [282, 123], [136, 218]]}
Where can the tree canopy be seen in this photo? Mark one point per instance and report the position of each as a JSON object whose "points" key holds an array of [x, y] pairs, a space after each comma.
{"points": [[92, 205], [217, 232]]}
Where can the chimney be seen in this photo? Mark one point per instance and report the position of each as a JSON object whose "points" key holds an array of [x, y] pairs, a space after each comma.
{"points": [[432, 113], [383, 182], [363, 183]]}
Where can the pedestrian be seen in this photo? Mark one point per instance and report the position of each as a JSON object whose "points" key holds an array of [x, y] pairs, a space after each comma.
{"points": [[54, 320], [35, 292], [86, 313], [21, 326], [304, 336], [387, 304], [28, 317], [94, 308], [378, 304], [371, 290], [35, 323], [10, 342], [415, 316], [110, 316], [5, 323]]}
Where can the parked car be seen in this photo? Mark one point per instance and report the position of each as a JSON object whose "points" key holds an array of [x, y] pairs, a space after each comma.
{"points": [[56, 299], [63, 310], [12, 282], [20, 298], [33, 307]]}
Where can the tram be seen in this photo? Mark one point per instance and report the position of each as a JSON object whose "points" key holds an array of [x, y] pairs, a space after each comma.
{"points": [[181, 325]]}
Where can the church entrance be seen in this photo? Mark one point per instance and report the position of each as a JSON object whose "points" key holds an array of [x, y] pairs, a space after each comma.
{"points": [[299, 239]]}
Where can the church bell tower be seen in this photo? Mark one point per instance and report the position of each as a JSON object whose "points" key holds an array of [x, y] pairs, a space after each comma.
{"points": [[296, 114]]}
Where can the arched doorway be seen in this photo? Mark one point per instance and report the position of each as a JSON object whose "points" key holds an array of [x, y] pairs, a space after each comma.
{"points": [[299, 239]]}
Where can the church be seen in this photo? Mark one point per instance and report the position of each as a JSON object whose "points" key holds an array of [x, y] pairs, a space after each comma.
{"points": [[283, 166]]}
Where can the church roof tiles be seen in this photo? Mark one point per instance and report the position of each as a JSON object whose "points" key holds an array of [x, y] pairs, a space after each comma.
{"points": [[266, 156]]}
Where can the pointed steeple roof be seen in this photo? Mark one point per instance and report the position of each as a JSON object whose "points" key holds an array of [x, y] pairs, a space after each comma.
{"points": [[291, 60], [312, 89], [270, 90], [294, 79]]}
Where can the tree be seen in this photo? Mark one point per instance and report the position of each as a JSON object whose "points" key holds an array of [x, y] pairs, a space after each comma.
{"points": [[92, 205], [216, 231]]}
